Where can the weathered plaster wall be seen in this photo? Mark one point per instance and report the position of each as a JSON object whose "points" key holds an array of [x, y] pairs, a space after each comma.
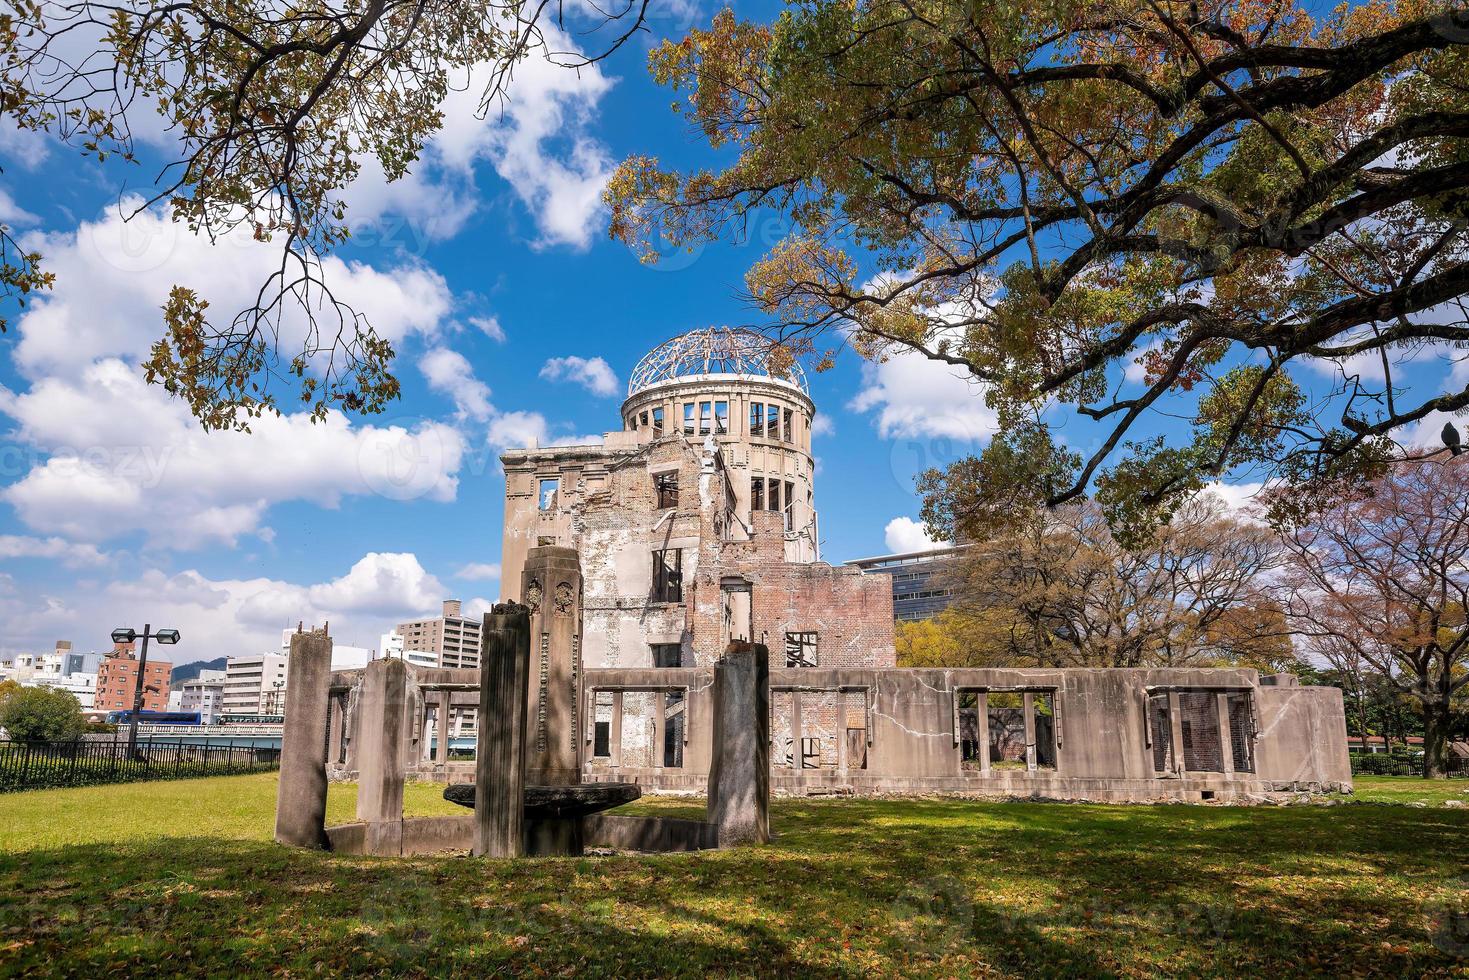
{"points": [[908, 722]]}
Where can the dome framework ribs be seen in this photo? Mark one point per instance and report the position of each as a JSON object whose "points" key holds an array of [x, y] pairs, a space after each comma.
{"points": [[737, 351]]}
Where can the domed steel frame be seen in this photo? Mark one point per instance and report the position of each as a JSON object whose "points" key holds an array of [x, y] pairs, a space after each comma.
{"points": [[736, 351]]}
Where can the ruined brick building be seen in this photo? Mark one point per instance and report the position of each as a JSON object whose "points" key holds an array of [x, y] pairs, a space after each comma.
{"points": [[696, 524]]}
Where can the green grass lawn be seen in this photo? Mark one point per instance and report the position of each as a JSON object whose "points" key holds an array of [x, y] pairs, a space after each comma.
{"points": [[182, 877]]}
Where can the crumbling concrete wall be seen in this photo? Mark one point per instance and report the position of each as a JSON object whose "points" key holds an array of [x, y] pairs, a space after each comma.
{"points": [[902, 733]]}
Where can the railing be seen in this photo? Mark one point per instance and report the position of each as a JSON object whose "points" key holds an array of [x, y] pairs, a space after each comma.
{"points": [[266, 729], [1402, 764], [43, 765]]}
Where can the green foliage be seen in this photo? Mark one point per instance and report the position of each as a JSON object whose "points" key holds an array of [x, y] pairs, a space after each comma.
{"points": [[271, 111], [42, 714], [1057, 191]]}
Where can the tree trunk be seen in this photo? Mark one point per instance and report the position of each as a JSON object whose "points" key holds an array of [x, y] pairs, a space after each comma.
{"points": [[1437, 719]]}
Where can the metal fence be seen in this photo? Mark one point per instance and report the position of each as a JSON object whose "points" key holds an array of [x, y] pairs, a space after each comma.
{"points": [[1402, 764], [88, 762]]}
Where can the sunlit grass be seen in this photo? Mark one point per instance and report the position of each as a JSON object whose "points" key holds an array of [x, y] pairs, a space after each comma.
{"points": [[183, 877]]}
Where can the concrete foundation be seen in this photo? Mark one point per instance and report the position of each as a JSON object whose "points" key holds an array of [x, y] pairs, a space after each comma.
{"points": [[300, 806]]}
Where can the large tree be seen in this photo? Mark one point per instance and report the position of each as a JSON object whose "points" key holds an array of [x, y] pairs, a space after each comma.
{"points": [[1067, 593], [1044, 192], [271, 107], [1382, 580]]}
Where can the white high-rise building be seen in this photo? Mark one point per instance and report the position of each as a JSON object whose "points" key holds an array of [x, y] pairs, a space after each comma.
{"points": [[204, 694], [392, 646], [254, 685]]}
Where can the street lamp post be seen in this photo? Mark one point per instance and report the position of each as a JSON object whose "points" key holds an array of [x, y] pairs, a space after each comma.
{"points": [[126, 634]]}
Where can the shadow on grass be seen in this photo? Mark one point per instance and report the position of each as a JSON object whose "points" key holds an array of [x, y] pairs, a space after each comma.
{"points": [[913, 887]]}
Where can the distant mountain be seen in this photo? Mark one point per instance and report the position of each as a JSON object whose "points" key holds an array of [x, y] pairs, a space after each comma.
{"points": [[188, 672]]}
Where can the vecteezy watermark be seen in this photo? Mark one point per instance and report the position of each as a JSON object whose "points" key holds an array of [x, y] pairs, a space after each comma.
{"points": [[1449, 922], [935, 913], [942, 912], [935, 443], [405, 459], [142, 466]]}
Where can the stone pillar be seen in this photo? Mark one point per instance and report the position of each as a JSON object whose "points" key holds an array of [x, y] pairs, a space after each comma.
{"points": [[552, 587], [441, 727], [335, 737], [499, 767], [381, 730], [739, 771], [300, 802]]}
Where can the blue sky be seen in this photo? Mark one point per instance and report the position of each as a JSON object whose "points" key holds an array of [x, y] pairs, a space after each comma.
{"points": [[114, 510], [513, 316]]}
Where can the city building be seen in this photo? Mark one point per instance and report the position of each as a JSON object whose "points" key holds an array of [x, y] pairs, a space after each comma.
{"points": [[79, 684], [57, 665], [254, 686], [451, 638], [392, 647], [924, 582], [117, 679], [204, 694]]}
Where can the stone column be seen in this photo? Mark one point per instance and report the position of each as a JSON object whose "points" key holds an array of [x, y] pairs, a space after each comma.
{"points": [[382, 710], [300, 803], [739, 771], [445, 712], [336, 712], [552, 586], [499, 767]]}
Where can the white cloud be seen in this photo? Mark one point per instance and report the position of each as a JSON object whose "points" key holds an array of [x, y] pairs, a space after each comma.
{"points": [[1366, 366], [113, 276], [594, 374], [229, 617], [24, 147], [822, 425], [1133, 370], [123, 457], [113, 454], [539, 141], [479, 572], [517, 430], [521, 430], [13, 214], [450, 373], [489, 326], [915, 396], [1238, 498], [904, 534], [53, 549]]}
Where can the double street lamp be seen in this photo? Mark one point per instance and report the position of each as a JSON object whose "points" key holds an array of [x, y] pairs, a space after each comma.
{"points": [[126, 634]]}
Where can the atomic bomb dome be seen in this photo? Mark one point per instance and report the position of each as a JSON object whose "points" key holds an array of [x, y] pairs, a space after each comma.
{"points": [[713, 353]]}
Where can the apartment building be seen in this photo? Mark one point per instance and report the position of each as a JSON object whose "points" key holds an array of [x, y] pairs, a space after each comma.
{"points": [[451, 639], [204, 694], [254, 685], [117, 680]]}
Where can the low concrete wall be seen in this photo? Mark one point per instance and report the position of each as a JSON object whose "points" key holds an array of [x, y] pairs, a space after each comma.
{"points": [[420, 835], [1102, 742], [455, 834], [655, 834]]}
